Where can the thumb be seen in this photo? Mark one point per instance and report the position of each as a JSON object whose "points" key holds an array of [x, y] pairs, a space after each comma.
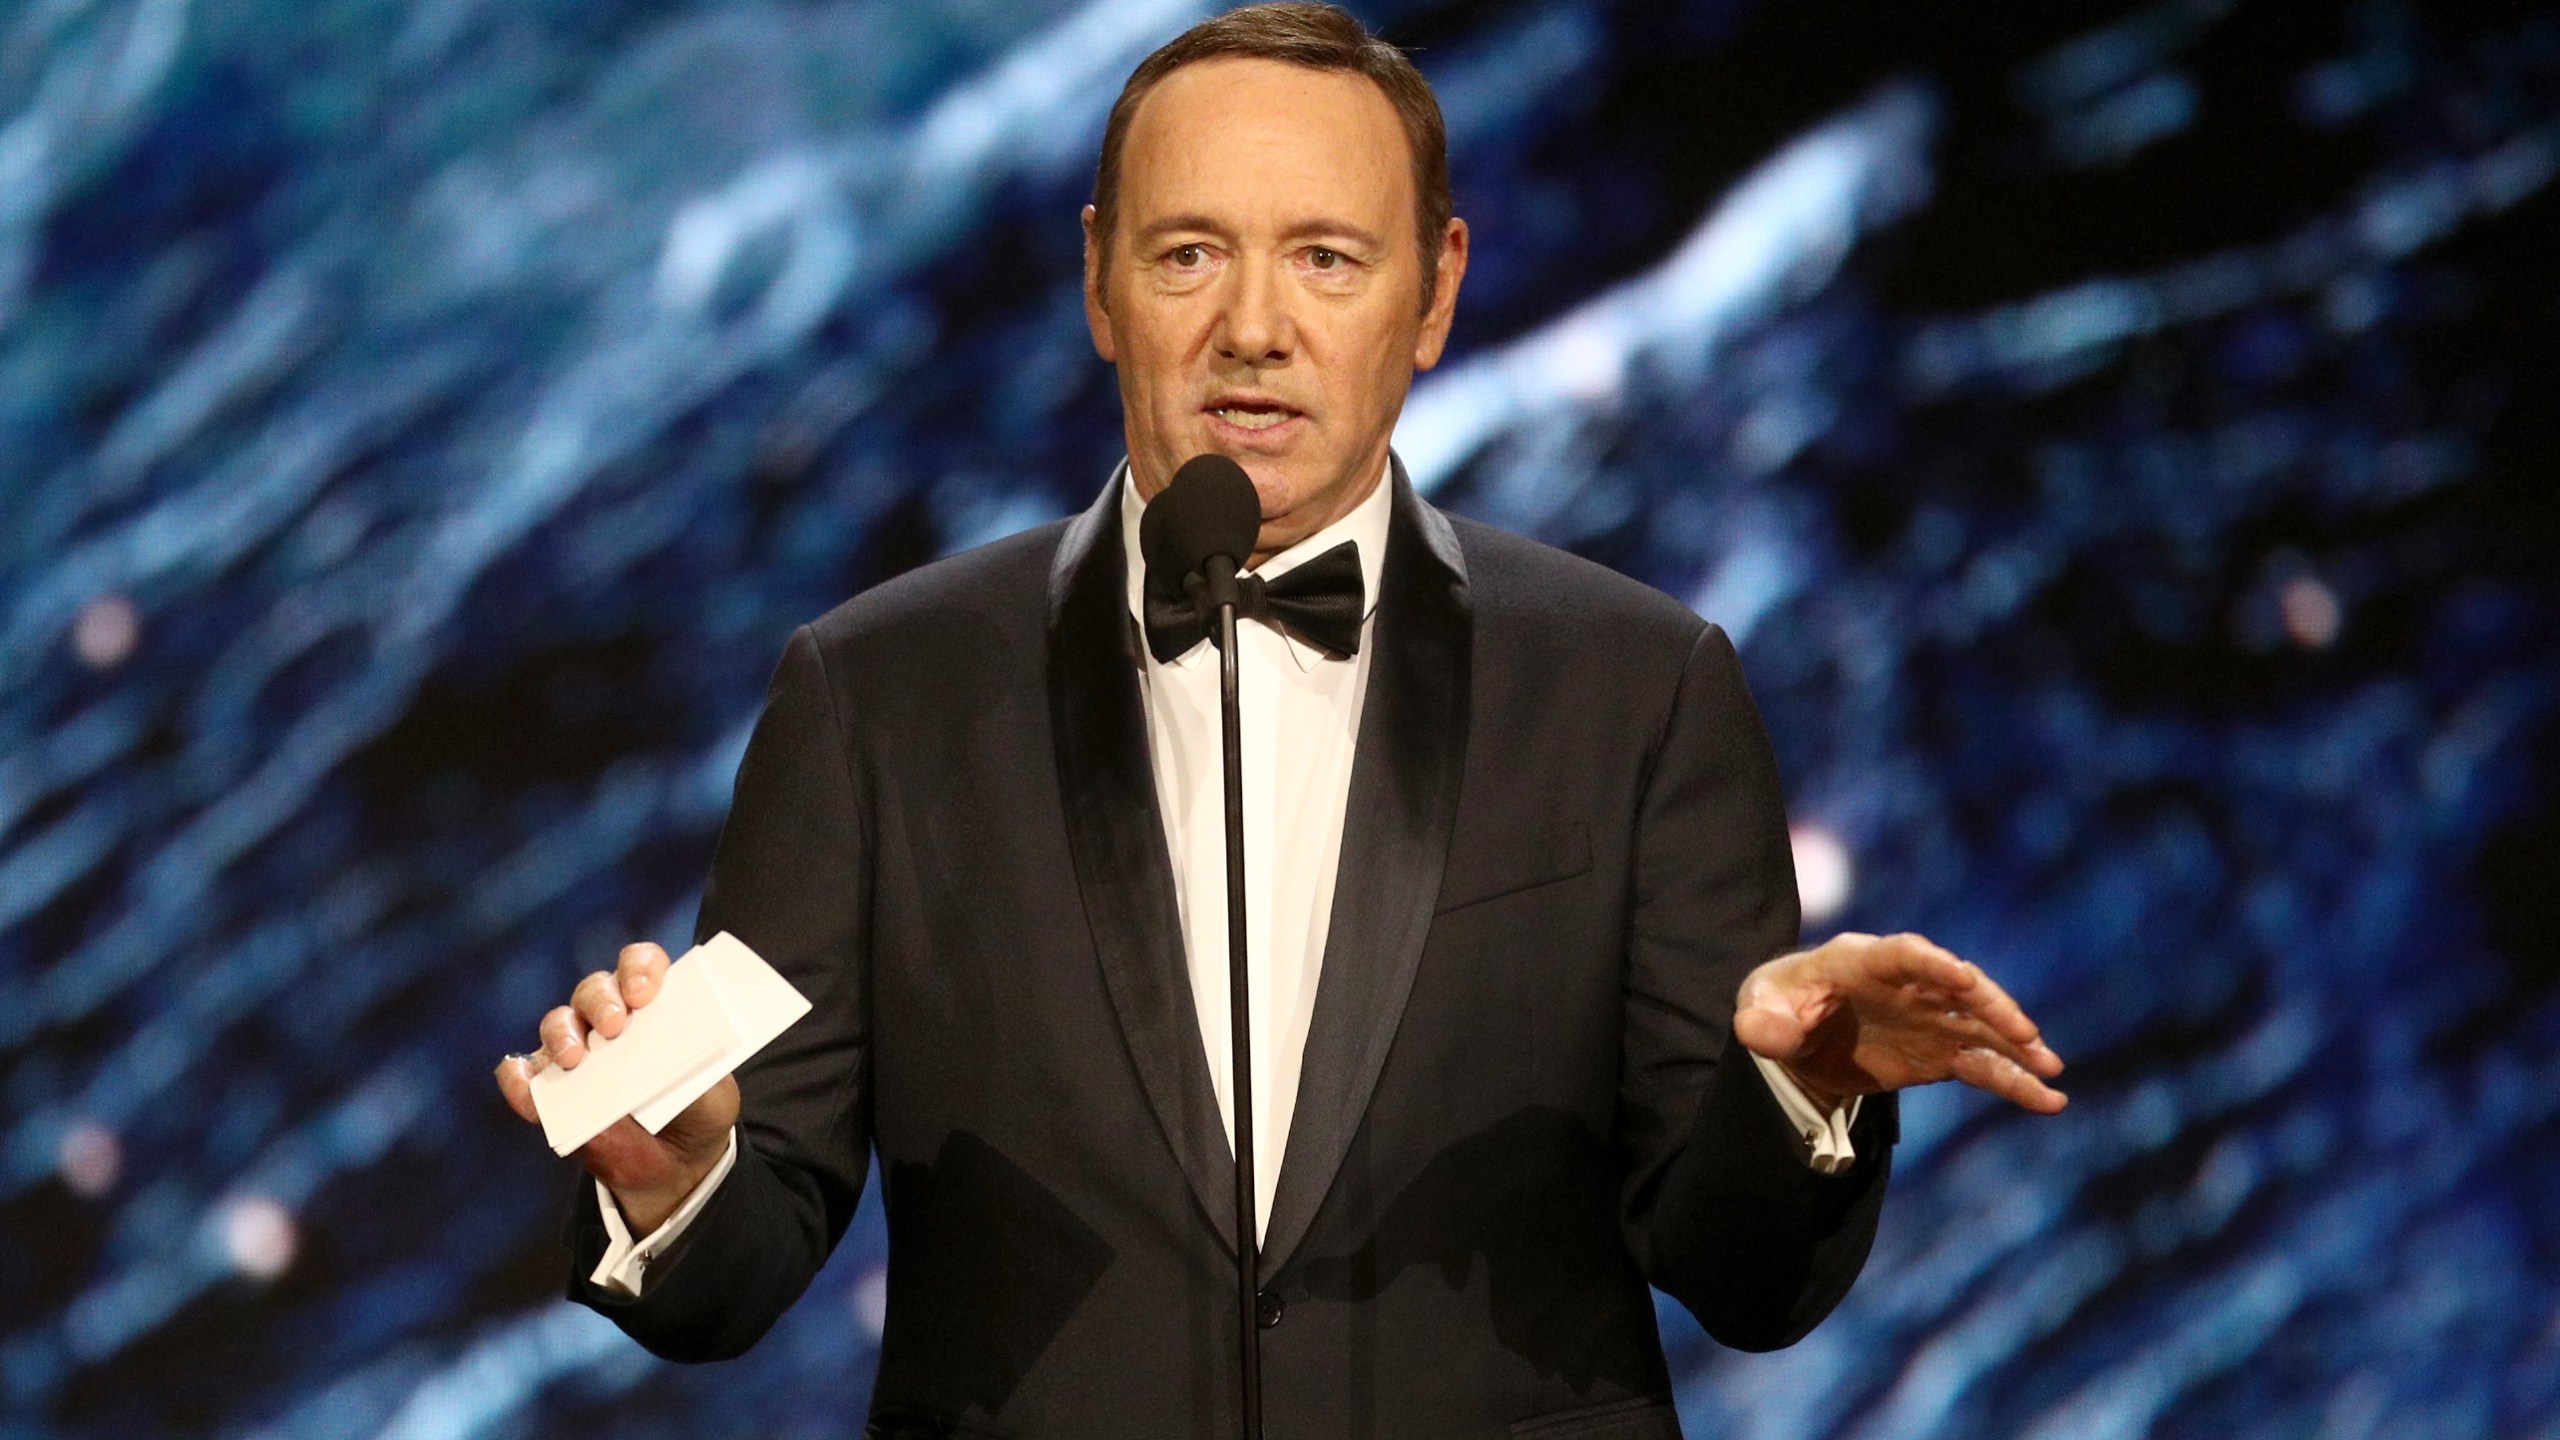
{"points": [[1770, 1032]]}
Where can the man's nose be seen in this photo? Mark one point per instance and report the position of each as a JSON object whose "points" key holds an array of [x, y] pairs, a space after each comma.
{"points": [[1254, 327]]}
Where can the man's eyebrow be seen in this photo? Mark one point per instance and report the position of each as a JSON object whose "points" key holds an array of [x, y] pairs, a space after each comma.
{"points": [[1176, 224], [1318, 228], [1324, 229]]}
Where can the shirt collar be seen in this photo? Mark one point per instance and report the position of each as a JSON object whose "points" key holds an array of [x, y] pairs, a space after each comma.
{"points": [[1366, 524]]}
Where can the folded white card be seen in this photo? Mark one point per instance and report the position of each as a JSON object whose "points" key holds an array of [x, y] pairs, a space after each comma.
{"points": [[760, 1005], [719, 1004]]}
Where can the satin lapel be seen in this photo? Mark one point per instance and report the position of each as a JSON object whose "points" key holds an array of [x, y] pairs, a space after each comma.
{"points": [[1404, 799], [1116, 835]]}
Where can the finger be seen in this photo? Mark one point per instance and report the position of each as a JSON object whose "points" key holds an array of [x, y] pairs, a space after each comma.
{"points": [[515, 1082], [1808, 984], [1770, 1031], [1909, 959], [640, 970], [598, 1001], [1965, 1032], [1992, 1004], [1997, 1073], [1921, 962], [1993, 1007], [564, 1037]]}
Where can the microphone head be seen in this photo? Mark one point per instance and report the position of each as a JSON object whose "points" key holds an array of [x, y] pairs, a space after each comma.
{"points": [[1210, 508]]}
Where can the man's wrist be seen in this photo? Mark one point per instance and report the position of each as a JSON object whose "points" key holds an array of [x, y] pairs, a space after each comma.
{"points": [[623, 1269], [1824, 1099], [645, 1208]]}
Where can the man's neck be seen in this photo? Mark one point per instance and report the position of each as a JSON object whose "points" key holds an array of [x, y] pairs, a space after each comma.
{"points": [[1299, 524]]}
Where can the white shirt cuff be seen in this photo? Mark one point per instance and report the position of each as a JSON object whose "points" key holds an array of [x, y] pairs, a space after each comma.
{"points": [[626, 1261], [1826, 1137]]}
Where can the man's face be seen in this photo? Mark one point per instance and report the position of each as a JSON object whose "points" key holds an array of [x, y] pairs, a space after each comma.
{"points": [[1265, 283]]}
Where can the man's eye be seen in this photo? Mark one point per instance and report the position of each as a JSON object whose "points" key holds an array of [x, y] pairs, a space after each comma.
{"points": [[1185, 256], [1324, 259]]}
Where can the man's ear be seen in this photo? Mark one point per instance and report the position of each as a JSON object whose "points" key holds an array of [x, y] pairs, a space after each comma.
{"points": [[1434, 334], [1097, 316]]}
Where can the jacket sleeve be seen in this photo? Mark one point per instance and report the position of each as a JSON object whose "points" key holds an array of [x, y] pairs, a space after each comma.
{"points": [[790, 877], [1720, 1209]]}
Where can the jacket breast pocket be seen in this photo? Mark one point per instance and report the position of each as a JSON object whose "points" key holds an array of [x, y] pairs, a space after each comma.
{"points": [[1523, 860], [1618, 1420]]}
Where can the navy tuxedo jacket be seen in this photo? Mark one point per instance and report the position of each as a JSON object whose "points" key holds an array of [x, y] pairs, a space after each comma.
{"points": [[1521, 1099]]}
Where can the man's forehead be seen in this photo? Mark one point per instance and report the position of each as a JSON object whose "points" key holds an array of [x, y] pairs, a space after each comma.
{"points": [[1283, 130]]}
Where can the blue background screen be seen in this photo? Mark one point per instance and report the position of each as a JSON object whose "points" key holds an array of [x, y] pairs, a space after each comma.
{"points": [[2119, 436]]}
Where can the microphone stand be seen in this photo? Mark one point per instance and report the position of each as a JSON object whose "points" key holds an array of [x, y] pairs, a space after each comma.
{"points": [[1220, 573]]}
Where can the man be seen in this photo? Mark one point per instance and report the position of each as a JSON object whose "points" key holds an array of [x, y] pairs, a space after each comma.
{"points": [[1519, 868]]}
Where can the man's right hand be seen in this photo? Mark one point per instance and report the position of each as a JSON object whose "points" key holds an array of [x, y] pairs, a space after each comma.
{"points": [[649, 1175]]}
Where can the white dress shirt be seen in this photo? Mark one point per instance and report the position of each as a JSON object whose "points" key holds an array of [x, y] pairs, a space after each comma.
{"points": [[1300, 712]]}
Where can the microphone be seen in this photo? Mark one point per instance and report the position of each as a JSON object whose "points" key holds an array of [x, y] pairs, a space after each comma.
{"points": [[1194, 537], [1199, 531]]}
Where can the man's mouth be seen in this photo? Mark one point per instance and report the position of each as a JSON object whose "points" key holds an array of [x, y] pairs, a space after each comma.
{"points": [[1253, 414]]}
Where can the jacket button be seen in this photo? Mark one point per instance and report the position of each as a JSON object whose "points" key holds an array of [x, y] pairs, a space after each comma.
{"points": [[1266, 1309]]}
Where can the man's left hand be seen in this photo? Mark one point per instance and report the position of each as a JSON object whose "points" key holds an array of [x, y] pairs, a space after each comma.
{"points": [[1861, 1014]]}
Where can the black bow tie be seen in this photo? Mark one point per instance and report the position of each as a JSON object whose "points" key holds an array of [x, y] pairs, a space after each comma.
{"points": [[1321, 602]]}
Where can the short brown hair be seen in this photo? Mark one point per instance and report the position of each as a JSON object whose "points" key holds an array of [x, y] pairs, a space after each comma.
{"points": [[1317, 37]]}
